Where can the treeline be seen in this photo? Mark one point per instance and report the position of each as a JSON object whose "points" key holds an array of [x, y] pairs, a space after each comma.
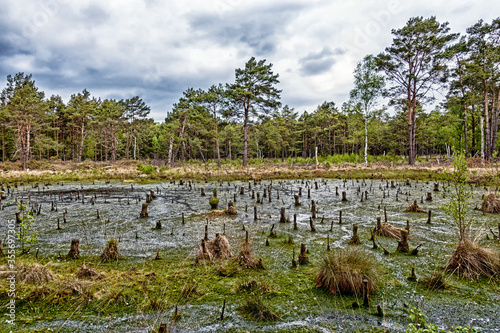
{"points": [[247, 118]]}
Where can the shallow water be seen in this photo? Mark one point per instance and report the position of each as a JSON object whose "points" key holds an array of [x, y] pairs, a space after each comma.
{"points": [[119, 205]]}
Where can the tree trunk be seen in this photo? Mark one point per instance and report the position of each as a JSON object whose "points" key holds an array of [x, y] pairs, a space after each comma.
{"points": [[245, 136], [82, 133], [487, 119], [494, 126], [366, 138], [481, 125], [217, 140], [170, 147], [3, 143]]}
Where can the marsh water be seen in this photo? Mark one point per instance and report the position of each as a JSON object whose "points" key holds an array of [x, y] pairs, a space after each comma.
{"points": [[119, 205]]}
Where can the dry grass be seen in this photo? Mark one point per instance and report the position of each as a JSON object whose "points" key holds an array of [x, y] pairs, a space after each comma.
{"points": [[471, 261], [111, 251], [34, 274], [216, 248], [414, 208], [491, 204], [434, 281], [89, 273], [342, 272], [388, 230], [245, 258]]}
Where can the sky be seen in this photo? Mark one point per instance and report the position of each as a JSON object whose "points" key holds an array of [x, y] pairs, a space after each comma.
{"points": [[157, 49]]}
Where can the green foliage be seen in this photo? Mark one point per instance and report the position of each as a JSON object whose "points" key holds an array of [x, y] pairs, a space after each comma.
{"points": [[146, 168], [214, 202], [25, 236], [419, 324], [459, 205]]}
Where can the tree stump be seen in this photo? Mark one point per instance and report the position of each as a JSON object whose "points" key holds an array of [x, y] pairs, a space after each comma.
{"points": [[300, 191], [344, 196], [429, 217], [242, 190], [282, 215], [336, 190], [294, 263], [436, 187], [203, 192], [152, 194], [340, 217], [311, 224], [74, 251], [295, 222], [253, 194], [429, 196], [403, 243], [308, 193], [148, 198], [313, 209], [206, 233], [258, 197], [355, 238], [303, 257], [158, 224], [264, 195], [255, 213], [392, 184], [144, 210], [297, 202], [366, 294], [18, 217]]}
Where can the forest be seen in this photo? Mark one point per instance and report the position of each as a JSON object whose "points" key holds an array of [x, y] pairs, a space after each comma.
{"points": [[428, 93]]}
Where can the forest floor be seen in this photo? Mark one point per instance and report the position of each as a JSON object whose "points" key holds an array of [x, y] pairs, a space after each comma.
{"points": [[482, 172]]}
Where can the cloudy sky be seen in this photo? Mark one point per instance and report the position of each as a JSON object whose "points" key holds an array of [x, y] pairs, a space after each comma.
{"points": [[157, 49]]}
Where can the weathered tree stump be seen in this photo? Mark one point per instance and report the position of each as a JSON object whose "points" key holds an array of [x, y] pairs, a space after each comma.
{"points": [[311, 224], [264, 195], [294, 263], [429, 216], [436, 187], [258, 198], [340, 217], [18, 217], [297, 201], [152, 194], [295, 222], [366, 294], [98, 215], [308, 193], [282, 215], [413, 276], [344, 196], [148, 198], [255, 213], [403, 243], [385, 214], [429, 196], [74, 251], [158, 225], [355, 238], [203, 192], [303, 257], [52, 207], [242, 190], [144, 210], [392, 184], [328, 242], [300, 191], [313, 209], [336, 190]]}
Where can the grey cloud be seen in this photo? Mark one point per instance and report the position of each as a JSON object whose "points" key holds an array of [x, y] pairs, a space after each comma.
{"points": [[94, 15], [258, 29], [319, 62]]}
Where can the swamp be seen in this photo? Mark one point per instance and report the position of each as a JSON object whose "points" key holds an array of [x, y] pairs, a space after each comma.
{"points": [[183, 267]]}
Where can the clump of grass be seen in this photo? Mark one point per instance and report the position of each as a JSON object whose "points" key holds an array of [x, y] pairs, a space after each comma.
{"points": [[256, 309], [342, 272], [189, 289], [255, 286], [111, 251], [228, 269], [245, 258], [434, 281], [34, 274], [289, 241], [471, 261], [88, 273], [491, 204]]}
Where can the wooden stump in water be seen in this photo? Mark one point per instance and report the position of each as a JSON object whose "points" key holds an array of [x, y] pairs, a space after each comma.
{"points": [[344, 196], [313, 209], [158, 225], [242, 190], [295, 222], [300, 191], [340, 217], [328, 242], [152, 194], [403, 243], [303, 257], [258, 197], [253, 194], [297, 202], [255, 213], [282, 215], [74, 251], [264, 195], [336, 190], [355, 238], [311, 224], [436, 187], [206, 232], [294, 263], [308, 193], [203, 192], [18, 217], [144, 210], [392, 184], [429, 196], [148, 198], [429, 217]]}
